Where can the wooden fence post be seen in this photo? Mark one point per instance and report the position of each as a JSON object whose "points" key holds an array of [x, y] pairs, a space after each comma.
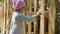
{"points": [[42, 18], [29, 23], [2, 24], [52, 13], [35, 20], [7, 16], [4, 10]]}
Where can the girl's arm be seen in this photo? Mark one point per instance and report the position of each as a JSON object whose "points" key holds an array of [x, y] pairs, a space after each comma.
{"points": [[29, 18]]}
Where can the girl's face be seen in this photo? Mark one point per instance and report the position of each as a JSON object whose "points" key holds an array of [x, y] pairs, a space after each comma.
{"points": [[23, 8]]}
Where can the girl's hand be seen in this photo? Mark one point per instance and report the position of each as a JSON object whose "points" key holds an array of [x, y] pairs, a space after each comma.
{"points": [[39, 13]]}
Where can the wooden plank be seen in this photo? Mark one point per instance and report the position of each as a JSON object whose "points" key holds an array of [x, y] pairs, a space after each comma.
{"points": [[4, 9], [0, 22], [52, 13], [35, 20], [2, 17], [42, 18], [29, 23], [7, 16], [24, 28]]}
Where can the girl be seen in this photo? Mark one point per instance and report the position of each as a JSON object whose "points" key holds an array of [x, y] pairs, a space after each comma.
{"points": [[18, 17]]}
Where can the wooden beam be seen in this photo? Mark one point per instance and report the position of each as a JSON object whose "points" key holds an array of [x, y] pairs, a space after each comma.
{"points": [[29, 23], [42, 18], [52, 13], [2, 17], [4, 9], [7, 16], [35, 20]]}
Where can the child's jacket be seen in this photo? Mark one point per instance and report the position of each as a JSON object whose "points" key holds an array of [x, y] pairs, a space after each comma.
{"points": [[17, 22]]}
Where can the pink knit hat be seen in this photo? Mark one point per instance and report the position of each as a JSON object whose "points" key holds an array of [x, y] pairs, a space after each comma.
{"points": [[18, 4]]}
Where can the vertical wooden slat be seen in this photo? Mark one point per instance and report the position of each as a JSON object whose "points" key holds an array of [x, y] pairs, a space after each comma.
{"points": [[7, 17], [4, 20], [2, 26], [48, 2], [0, 17], [10, 7], [3, 31], [29, 23], [27, 7], [4, 17], [10, 15], [52, 13], [1, 23], [25, 28], [42, 18], [35, 20]]}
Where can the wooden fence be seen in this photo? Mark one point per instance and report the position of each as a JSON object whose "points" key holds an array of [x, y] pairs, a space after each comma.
{"points": [[31, 27]]}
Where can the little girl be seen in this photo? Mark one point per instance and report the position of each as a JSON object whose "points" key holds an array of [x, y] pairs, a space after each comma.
{"points": [[18, 17]]}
